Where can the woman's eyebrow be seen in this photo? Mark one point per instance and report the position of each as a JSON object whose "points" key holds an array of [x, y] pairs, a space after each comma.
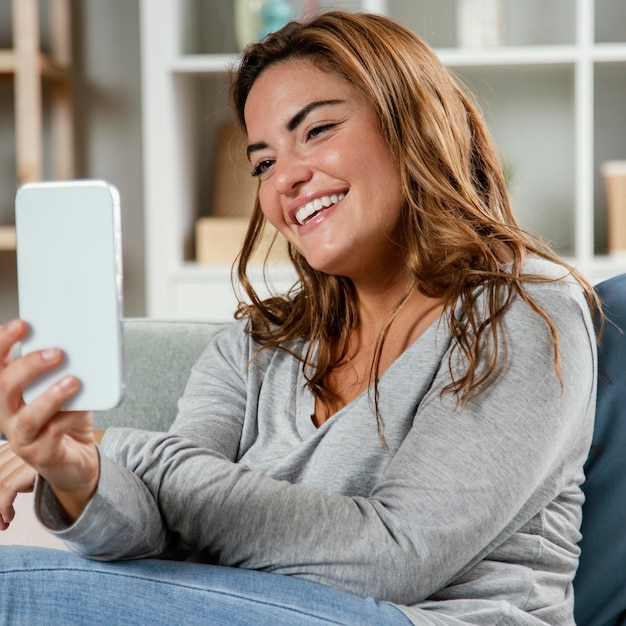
{"points": [[304, 111], [261, 145], [293, 123]]}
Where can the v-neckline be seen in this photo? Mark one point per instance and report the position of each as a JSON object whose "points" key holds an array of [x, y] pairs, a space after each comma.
{"points": [[305, 404]]}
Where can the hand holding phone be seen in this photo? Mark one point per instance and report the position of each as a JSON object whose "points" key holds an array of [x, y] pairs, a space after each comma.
{"points": [[59, 445]]}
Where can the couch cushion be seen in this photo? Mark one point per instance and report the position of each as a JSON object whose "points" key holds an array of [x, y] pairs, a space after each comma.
{"points": [[158, 356], [600, 583]]}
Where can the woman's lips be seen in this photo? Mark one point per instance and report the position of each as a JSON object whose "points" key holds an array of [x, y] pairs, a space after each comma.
{"points": [[308, 210]]}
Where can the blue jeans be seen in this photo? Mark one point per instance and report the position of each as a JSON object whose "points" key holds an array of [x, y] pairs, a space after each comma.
{"points": [[52, 587]]}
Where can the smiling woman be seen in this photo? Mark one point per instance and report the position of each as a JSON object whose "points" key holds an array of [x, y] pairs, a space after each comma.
{"points": [[400, 438]]}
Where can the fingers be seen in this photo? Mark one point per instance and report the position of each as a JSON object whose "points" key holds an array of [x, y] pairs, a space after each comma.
{"points": [[20, 480], [16, 375], [15, 477], [64, 451], [15, 474], [10, 333], [59, 445], [30, 420], [19, 374]]}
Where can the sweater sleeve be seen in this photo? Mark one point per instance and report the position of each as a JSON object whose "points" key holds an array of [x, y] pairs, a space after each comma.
{"points": [[134, 525], [105, 525], [466, 477]]}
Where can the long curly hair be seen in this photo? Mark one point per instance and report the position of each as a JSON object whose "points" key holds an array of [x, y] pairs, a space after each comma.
{"points": [[457, 226]]}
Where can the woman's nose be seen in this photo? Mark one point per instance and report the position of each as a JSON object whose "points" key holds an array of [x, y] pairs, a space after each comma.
{"points": [[290, 171]]}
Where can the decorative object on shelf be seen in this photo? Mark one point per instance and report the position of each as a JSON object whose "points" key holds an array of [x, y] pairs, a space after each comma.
{"points": [[275, 14], [247, 21], [234, 189], [310, 8], [614, 173], [254, 19], [480, 23]]}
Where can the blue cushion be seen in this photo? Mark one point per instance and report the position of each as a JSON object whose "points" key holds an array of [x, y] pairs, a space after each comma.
{"points": [[600, 583]]}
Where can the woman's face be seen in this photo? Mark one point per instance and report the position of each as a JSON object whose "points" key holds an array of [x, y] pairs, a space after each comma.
{"points": [[328, 180]]}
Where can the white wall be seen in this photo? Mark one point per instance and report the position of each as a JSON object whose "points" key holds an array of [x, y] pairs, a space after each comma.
{"points": [[108, 125]]}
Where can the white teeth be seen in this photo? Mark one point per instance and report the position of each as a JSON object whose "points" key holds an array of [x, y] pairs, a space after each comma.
{"points": [[310, 208]]}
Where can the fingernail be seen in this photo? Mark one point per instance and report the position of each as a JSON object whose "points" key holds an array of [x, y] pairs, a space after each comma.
{"points": [[14, 327], [51, 354], [68, 382]]}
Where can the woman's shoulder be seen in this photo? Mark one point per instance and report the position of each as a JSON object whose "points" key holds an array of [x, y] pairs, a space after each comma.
{"points": [[546, 280], [557, 292], [236, 342], [539, 266]]}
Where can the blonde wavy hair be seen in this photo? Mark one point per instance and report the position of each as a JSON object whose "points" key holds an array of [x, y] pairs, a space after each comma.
{"points": [[457, 225]]}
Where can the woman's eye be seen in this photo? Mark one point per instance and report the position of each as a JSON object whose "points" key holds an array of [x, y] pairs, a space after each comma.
{"points": [[318, 130], [261, 167]]}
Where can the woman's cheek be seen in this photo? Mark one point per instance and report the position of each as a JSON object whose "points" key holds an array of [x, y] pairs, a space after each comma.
{"points": [[265, 204], [272, 210]]}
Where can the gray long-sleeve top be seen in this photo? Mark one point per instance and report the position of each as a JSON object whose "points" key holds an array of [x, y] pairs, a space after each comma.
{"points": [[470, 515]]}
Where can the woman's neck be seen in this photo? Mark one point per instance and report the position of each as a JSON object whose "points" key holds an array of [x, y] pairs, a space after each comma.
{"points": [[415, 314], [356, 371]]}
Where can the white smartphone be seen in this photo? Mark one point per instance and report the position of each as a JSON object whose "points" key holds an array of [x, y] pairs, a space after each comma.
{"points": [[69, 273]]}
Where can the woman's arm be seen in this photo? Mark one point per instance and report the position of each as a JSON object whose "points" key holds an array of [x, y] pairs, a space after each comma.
{"points": [[120, 521], [142, 533], [466, 477]]}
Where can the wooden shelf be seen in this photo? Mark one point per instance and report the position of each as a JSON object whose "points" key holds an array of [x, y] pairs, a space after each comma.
{"points": [[28, 67], [47, 68], [7, 62], [7, 238]]}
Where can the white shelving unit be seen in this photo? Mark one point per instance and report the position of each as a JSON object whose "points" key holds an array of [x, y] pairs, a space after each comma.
{"points": [[555, 99]]}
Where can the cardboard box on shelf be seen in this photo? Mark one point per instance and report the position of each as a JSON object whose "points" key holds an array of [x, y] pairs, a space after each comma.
{"points": [[219, 239], [7, 237], [614, 173]]}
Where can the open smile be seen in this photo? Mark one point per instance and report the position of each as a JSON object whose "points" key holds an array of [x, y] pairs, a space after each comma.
{"points": [[310, 209]]}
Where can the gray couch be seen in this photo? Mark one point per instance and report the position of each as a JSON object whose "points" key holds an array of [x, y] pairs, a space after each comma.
{"points": [[158, 356]]}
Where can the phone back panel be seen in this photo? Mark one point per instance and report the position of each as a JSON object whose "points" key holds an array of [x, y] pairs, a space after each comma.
{"points": [[70, 285]]}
